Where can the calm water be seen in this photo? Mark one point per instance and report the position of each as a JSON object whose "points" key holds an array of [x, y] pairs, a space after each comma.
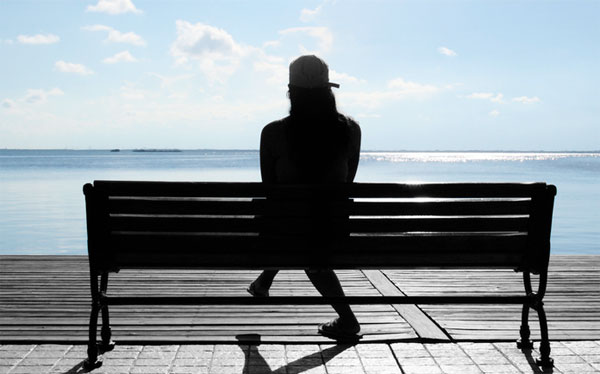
{"points": [[42, 206]]}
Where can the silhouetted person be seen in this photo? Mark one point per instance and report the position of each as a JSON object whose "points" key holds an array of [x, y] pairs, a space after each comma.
{"points": [[314, 144]]}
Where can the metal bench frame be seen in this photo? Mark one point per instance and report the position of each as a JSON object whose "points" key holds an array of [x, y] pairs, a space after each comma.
{"points": [[417, 249]]}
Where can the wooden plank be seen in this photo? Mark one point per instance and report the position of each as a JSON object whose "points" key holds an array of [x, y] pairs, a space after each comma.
{"points": [[423, 325], [47, 299]]}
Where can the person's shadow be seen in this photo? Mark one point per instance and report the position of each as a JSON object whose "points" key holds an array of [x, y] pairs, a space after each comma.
{"points": [[255, 363]]}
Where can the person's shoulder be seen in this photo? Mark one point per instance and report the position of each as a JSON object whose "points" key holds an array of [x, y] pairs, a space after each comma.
{"points": [[273, 130], [351, 123], [275, 125]]}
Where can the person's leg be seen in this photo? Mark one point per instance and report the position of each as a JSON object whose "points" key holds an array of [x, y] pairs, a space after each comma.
{"points": [[262, 284], [328, 284]]}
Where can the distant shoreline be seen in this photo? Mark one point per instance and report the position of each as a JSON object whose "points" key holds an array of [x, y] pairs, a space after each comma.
{"points": [[256, 150]]}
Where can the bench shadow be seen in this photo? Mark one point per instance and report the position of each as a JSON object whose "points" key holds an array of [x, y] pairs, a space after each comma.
{"points": [[528, 353], [255, 363], [77, 369]]}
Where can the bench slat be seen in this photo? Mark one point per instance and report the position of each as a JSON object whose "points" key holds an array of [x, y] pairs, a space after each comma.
{"points": [[370, 244], [139, 205], [255, 189], [149, 223]]}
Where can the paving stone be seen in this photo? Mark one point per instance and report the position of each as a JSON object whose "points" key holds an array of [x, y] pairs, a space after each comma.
{"points": [[9, 361], [304, 361], [499, 369], [461, 360], [445, 350], [149, 370], [69, 361], [417, 361], [118, 361], [432, 369], [402, 351], [31, 369], [317, 370], [575, 368], [226, 370], [190, 370], [345, 370], [38, 361], [111, 370], [118, 354], [389, 361], [350, 361], [383, 369], [153, 362], [490, 358], [460, 369], [14, 353], [592, 359]]}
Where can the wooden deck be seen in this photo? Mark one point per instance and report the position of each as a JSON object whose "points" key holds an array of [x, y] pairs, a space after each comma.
{"points": [[47, 299]]}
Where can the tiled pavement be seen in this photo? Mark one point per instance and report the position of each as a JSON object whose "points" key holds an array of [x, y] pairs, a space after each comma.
{"points": [[409, 358]]}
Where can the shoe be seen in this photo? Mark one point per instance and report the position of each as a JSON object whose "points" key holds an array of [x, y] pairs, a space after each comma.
{"points": [[334, 330], [256, 292]]}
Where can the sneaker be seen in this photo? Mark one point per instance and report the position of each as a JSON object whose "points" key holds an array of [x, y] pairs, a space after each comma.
{"points": [[335, 330], [255, 291]]}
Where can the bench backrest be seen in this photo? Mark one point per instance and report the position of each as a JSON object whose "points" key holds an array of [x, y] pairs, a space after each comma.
{"points": [[360, 225]]}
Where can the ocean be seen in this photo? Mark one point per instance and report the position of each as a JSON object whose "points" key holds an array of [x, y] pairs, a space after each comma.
{"points": [[42, 206]]}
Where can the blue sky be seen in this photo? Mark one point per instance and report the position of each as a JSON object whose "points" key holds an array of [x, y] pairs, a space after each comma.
{"points": [[417, 75]]}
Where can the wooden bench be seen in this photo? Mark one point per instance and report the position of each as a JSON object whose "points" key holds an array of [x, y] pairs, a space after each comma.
{"points": [[191, 225]]}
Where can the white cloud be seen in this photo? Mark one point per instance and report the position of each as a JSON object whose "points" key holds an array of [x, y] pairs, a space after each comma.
{"points": [[527, 100], [69, 67], [130, 92], [399, 85], [115, 36], [480, 95], [271, 43], [446, 51], [34, 96], [124, 56], [487, 96], [278, 73], [397, 89], [204, 43], [166, 81], [497, 98], [38, 39], [336, 77], [8, 103], [113, 7], [323, 36], [307, 15], [494, 113]]}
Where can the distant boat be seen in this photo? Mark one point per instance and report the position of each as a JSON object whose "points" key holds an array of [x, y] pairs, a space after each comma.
{"points": [[115, 150], [156, 150]]}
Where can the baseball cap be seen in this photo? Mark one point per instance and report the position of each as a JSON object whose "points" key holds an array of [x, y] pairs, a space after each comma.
{"points": [[309, 71]]}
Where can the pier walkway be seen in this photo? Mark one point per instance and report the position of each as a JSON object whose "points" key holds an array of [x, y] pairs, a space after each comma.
{"points": [[44, 312]]}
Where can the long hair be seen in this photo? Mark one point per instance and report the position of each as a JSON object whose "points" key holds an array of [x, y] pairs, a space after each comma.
{"points": [[317, 132]]}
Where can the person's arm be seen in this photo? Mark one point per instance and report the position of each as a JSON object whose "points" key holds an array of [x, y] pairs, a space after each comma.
{"points": [[355, 137], [267, 159]]}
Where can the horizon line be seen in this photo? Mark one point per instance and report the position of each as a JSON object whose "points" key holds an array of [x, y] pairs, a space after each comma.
{"points": [[159, 150]]}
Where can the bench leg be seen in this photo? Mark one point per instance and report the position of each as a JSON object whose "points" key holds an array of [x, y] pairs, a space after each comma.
{"points": [[545, 360], [93, 361], [524, 342], [107, 343]]}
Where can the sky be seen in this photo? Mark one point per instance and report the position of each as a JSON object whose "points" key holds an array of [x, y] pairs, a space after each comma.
{"points": [[416, 75]]}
